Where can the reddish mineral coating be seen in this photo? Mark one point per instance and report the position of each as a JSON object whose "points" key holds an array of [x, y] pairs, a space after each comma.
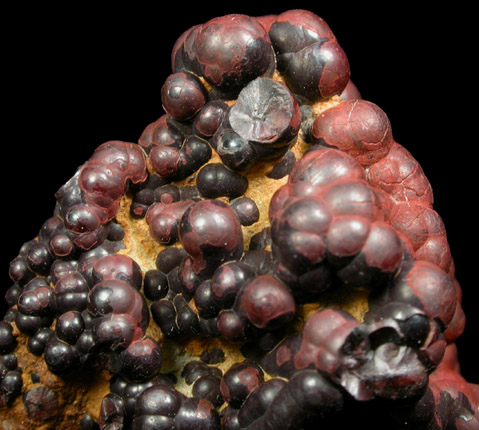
{"points": [[400, 175], [70, 292], [118, 267], [284, 355], [211, 234], [333, 79], [227, 281], [164, 219], [435, 290], [351, 198], [382, 248], [62, 246], [313, 63], [344, 244], [458, 322], [196, 412], [183, 95], [424, 230], [357, 127], [267, 21], [410, 199], [222, 44], [321, 169], [165, 160], [103, 189], [328, 189], [209, 119], [83, 221], [351, 92], [126, 158], [363, 130], [35, 302], [178, 46], [172, 154], [159, 133], [308, 20], [321, 326], [231, 325], [265, 301], [240, 380], [144, 352], [447, 379], [104, 177], [115, 304]]}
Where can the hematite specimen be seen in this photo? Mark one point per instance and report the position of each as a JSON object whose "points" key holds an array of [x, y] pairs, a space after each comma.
{"points": [[267, 256]]}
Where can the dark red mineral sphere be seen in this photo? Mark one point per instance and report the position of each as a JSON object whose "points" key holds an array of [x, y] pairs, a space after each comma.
{"points": [[358, 127], [165, 160], [161, 132], [267, 303], [183, 95], [118, 267], [211, 234], [163, 220], [308, 55], [232, 50]]}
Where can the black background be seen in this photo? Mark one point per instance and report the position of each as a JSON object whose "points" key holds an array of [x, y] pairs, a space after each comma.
{"points": [[77, 77]]}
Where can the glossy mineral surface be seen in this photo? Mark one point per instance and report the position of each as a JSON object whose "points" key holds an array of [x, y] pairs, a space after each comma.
{"points": [[266, 256]]}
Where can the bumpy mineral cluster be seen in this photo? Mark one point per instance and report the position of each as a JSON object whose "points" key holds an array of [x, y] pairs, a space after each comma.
{"points": [[266, 256]]}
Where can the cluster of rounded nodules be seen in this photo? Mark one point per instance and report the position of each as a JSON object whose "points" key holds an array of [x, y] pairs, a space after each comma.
{"points": [[155, 403], [234, 58], [356, 212]]}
